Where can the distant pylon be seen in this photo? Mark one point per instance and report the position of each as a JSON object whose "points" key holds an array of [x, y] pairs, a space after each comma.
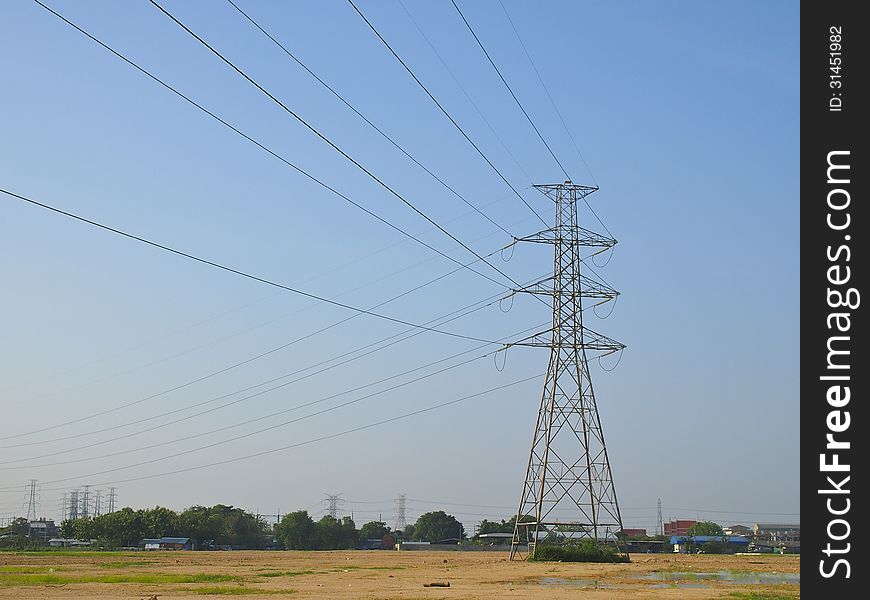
{"points": [[568, 489], [334, 500], [98, 503], [73, 505], [31, 500], [659, 522], [401, 519], [111, 500], [86, 502]]}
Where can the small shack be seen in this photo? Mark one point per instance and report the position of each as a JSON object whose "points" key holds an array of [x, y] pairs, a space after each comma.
{"points": [[167, 543]]}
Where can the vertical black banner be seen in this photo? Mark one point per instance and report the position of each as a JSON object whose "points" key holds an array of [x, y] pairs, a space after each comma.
{"points": [[834, 370]]}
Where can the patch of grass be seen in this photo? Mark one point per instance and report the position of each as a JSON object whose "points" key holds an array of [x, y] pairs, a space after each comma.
{"points": [[762, 596], [28, 569], [236, 591], [285, 573], [147, 578], [126, 564], [583, 551]]}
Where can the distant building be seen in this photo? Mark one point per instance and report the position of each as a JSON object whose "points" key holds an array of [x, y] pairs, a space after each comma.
{"points": [[42, 530], [692, 543], [636, 532], [167, 543], [739, 530], [777, 532], [69, 543], [495, 539], [678, 526]]}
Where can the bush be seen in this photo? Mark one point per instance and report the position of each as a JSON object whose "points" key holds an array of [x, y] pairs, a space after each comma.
{"points": [[582, 551]]}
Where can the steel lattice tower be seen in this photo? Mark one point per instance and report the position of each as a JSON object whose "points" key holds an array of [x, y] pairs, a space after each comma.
{"points": [[568, 488]]}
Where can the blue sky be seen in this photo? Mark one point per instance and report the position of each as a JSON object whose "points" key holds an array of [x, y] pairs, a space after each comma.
{"points": [[686, 113]]}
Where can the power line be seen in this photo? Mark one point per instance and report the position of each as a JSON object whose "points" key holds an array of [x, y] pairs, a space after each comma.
{"points": [[547, 91], [441, 320], [187, 437], [263, 324], [463, 90], [231, 269], [443, 110], [260, 145], [318, 439], [364, 118], [332, 144], [504, 81]]}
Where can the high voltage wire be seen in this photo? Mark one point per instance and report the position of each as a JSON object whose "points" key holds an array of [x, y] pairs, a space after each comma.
{"points": [[274, 414], [306, 442], [329, 142], [364, 118], [244, 362], [463, 90], [443, 110], [249, 388], [552, 103], [504, 81], [233, 270], [262, 324], [236, 365], [547, 91], [260, 145]]}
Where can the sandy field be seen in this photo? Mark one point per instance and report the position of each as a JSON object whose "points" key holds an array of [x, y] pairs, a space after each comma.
{"points": [[389, 575]]}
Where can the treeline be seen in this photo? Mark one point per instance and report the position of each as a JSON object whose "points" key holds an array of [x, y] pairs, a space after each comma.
{"points": [[222, 525], [219, 525]]}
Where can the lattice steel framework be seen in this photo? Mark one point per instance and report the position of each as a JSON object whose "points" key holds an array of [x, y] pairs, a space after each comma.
{"points": [[568, 490]]}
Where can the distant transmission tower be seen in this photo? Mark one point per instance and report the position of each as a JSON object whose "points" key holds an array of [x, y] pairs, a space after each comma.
{"points": [[112, 496], [401, 520], [31, 500], [568, 488], [73, 505], [98, 503], [334, 501], [659, 521], [86, 502]]}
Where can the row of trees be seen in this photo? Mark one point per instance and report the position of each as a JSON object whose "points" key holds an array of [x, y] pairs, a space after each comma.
{"points": [[298, 531], [222, 525], [219, 525]]}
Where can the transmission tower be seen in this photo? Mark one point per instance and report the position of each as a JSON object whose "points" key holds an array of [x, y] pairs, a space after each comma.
{"points": [[401, 520], [86, 502], [73, 505], [334, 500], [112, 500], [31, 500], [98, 503], [659, 521], [568, 488]]}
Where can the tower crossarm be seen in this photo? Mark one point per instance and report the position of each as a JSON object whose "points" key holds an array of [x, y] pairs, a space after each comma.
{"points": [[588, 288], [570, 234], [591, 340]]}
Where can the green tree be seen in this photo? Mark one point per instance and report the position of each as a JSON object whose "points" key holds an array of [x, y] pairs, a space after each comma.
{"points": [[334, 534], [374, 530], [408, 533], [296, 531], [437, 525], [705, 528]]}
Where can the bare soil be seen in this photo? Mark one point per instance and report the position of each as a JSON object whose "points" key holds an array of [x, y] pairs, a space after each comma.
{"points": [[387, 575]]}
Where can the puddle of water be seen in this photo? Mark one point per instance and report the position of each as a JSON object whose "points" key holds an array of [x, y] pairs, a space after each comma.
{"points": [[577, 583], [728, 577]]}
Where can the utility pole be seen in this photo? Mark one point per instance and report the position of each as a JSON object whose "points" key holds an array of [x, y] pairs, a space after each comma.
{"points": [[568, 486]]}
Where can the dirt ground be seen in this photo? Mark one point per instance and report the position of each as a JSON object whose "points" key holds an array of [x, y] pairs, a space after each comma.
{"points": [[388, 575]]}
